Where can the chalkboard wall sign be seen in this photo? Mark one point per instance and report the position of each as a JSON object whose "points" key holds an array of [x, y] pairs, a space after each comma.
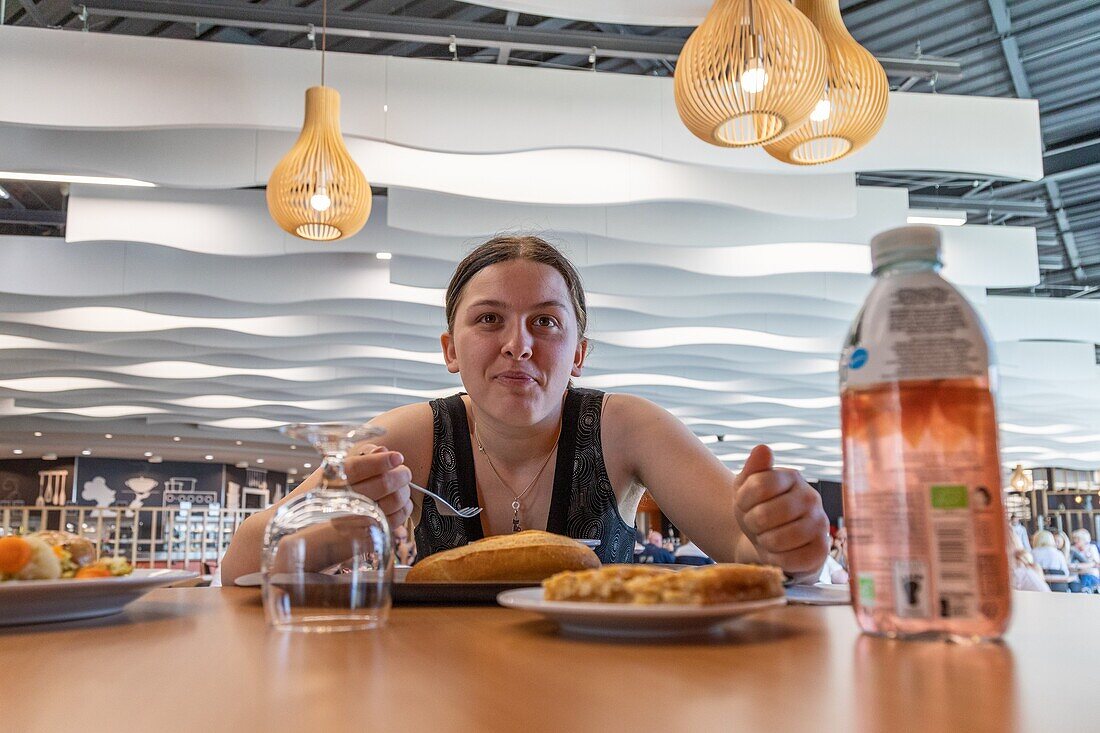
{"points": [[112, 482], [34, 482]]}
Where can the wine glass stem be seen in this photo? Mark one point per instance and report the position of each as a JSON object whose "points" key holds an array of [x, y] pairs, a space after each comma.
{"points": [[332, 471]]}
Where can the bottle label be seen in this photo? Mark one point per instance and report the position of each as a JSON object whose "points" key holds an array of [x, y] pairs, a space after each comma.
{"points": [[914, 327], [953, 549], [911, 589]]}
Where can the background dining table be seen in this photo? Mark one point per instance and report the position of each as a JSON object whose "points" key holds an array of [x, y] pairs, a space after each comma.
{"points": [[203, 660]]}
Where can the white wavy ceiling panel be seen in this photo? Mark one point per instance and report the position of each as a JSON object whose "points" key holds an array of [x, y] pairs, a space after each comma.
{"points": [[428, 105], [235, 223], [678, 224], [633, 12], [239, 158]]}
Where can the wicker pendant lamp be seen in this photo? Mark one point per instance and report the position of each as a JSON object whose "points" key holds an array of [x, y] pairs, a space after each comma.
{"points": [[750, 73], [317, 191], [853, 105]]}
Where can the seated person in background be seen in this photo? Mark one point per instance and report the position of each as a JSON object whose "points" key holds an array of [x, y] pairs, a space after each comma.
{"points": [[535, 452], [839, 551], [1020, 531], [833, 572], [404, 550], [1085, 560], [1047, 556], [1026, 575], [688, 553], [652, 550]]}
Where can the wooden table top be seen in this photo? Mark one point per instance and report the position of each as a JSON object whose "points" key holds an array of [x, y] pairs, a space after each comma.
{"points": [[203, 660]]}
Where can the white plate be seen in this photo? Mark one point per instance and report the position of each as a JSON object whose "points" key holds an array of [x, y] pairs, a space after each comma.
{"points": [[819, 594], [633, 621], [35, 601]]}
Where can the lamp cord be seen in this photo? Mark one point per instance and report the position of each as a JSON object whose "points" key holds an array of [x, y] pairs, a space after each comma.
{"points": [[324, 37]]}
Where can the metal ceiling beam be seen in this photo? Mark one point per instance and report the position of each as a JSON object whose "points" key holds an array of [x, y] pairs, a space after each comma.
{"points": [[35, 217], [1071, 157], [979, 205], [1011, 49], [440, 30], [34, 12], [510, 21]]}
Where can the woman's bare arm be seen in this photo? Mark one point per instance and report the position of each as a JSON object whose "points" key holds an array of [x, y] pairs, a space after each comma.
{"points": [[763, 514], [381, 471]]}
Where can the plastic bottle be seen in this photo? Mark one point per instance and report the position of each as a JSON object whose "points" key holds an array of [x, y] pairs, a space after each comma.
{"points": [[922, 480]]}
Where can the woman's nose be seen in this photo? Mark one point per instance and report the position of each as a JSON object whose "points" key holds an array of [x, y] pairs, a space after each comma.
{"points": [[517, 344]]}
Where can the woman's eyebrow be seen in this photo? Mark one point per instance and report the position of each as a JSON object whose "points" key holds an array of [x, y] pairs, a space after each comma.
{"points": [[487, 303]]}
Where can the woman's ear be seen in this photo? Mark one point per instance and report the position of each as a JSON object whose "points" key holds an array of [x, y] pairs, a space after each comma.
{"points": [[578, 357], [450, 358]]}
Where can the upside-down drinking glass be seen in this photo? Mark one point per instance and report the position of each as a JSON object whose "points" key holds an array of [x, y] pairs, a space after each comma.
{"points": [[327, 555]]}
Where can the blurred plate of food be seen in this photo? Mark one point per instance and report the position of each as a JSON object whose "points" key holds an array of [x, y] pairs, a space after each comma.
{"points": [[59, 576], [68, 599]]}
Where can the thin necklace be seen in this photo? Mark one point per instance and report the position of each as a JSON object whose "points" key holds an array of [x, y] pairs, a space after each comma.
{"points": [[518, 498]]}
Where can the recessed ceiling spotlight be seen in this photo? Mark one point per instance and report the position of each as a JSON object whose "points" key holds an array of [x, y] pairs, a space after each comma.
{"points": [[85, 453], [292, 471], [307, 465], [156, 459], [176, 438], [208, 457], [294, 447], [384, 255], [37, 434], [148, 454], [18, 451], [259, 460], [108, 436], [238, 442]]}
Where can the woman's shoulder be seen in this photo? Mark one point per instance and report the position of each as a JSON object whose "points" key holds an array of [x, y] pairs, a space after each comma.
{"points": [[409, 432], [623, 411]]}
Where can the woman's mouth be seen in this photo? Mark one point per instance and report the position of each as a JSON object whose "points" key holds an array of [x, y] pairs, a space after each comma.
{"points": [[514, 378]]}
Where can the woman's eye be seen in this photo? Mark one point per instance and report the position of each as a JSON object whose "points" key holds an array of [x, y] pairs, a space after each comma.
{"points": [[546, 322], [488, 318]]}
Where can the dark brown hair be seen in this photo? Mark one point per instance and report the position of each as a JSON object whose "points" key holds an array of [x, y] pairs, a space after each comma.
{"points": [[526, 247]]}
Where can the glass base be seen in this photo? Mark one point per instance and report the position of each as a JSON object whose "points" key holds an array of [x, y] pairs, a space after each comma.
{"points": [[323, 623]]}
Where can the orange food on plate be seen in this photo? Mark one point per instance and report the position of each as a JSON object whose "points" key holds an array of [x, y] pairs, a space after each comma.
{"points": [[93, 571], [15, 552]]}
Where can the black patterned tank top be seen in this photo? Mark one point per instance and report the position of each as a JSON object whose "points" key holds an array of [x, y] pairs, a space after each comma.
{"points": [[582, 504]]}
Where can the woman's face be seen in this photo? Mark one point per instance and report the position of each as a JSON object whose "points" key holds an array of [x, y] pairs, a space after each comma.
{"points": [[515, 341]]}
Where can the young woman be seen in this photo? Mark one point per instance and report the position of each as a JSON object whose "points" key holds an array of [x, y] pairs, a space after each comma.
{"points": [[536, 453]]}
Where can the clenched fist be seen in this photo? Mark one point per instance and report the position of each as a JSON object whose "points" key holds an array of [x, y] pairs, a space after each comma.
{"points": [[781, 515], [379, 474]]}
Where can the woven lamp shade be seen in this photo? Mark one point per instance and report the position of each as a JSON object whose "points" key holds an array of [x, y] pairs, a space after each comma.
{"points": [[317, 191], [750, 73], [854, 102]]}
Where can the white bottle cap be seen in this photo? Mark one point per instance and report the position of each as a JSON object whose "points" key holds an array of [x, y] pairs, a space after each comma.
{"points": [[905, 244]]}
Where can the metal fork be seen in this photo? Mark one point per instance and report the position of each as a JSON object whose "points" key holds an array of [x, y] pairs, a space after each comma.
{"points": [[444, 507]]}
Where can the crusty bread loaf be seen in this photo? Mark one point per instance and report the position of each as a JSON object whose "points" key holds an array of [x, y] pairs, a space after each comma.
{"points": [[710, 584], [531, 555]]}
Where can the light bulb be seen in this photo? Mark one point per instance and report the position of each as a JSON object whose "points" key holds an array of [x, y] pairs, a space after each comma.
{"points": [[320, 200], [754, 77], [822, 110]]}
